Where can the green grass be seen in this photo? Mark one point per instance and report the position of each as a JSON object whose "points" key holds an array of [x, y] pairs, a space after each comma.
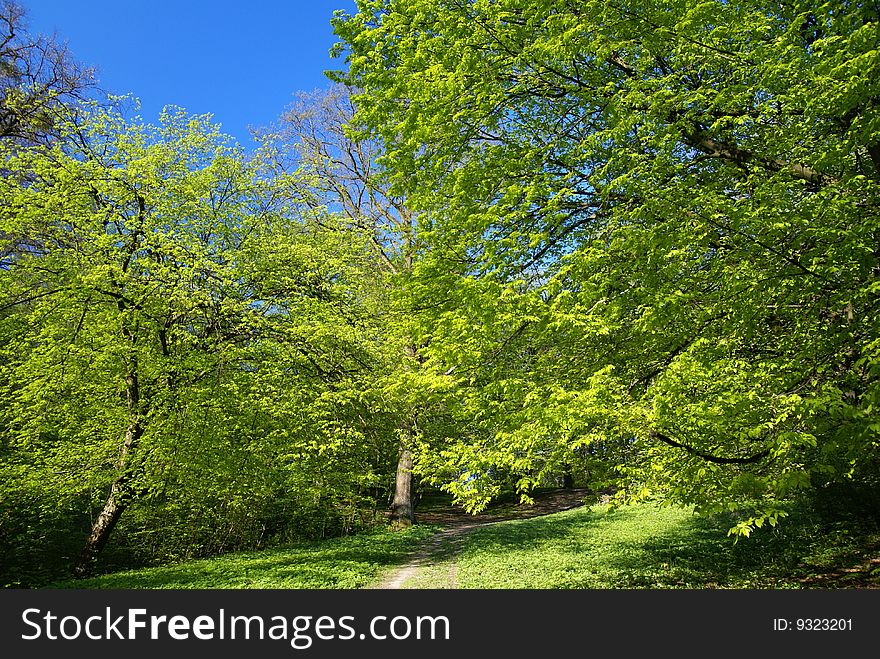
{"points": [[640, 546], [350, 562], [648, 547]]}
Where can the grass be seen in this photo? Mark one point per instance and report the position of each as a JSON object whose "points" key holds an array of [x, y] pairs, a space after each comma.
{"points": [[349, 562], [648, 547], [640, 546]]}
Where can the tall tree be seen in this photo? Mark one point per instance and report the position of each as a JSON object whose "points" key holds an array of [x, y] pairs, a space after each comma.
{"points": [[150, 271], [682, 200], [341, 178]]}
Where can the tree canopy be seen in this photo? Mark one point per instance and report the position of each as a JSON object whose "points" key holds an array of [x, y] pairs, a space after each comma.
{"points": [[653, 229], [633, 246], [173, 327]]}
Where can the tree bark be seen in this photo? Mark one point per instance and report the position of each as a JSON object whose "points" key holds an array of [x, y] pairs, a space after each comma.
{"points": [[101, 529], [120, 490], [402, 511]]}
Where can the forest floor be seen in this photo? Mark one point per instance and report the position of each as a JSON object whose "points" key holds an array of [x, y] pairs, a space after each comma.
{"points": [[589, 545], [566, 539], [441, 550]]}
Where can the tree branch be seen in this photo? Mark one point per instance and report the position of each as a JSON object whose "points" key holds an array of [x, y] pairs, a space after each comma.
{"points": [[757, 457], [718, 149]]}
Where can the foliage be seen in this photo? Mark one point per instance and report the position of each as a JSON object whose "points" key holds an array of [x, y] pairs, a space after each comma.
{"points": [[174, 331], [648, 228], [631, 246], [340, 181]]}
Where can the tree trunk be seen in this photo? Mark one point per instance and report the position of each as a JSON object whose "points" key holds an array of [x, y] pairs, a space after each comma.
{"points": [[116, 503], [120, 491], [402, 513], [101, 529]]}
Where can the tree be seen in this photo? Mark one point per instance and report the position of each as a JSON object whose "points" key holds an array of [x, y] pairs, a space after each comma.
{"points": [[152, 278], [342, 181], [39, 79], [675, 204]]}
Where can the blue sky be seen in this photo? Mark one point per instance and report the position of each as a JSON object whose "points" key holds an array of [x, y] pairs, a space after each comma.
{"points": [[241, 61]]}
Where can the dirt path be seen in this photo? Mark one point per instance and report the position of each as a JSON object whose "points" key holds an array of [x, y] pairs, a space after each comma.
{"points": [[445, 546]]}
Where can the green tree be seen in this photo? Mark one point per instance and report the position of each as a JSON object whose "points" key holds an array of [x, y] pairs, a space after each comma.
{"points": [[342, 182], [163, 313], [674, 204]]}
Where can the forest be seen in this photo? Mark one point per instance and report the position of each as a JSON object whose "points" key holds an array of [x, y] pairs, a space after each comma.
{"points": [[631, 248]]}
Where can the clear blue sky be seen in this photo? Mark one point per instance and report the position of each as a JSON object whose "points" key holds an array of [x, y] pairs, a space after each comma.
{"points": [[241, 61]]}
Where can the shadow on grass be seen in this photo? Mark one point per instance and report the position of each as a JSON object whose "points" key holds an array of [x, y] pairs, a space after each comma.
{"points": [[805, 550], [648, 547], [632, 547], [349, 562]]}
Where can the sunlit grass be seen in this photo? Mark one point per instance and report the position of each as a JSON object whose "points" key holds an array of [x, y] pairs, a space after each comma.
{"points": [[642, 546], [350, 562], [646, 546]]}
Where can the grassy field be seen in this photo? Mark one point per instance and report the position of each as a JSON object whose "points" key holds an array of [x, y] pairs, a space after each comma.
{"points": [[592, 547], [350, 562], [648, 547]]}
